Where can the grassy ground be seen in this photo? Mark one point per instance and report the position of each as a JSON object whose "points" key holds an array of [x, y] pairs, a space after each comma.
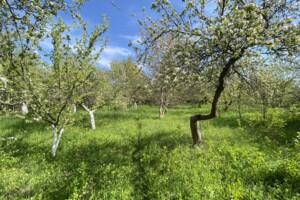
{"points": [[135, 155]]}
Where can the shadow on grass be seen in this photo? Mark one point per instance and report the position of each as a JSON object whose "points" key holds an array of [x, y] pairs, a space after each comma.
{"points": [[223, 121], [92, 164], [291, 128], [103, 118], [21, 127], [273, 133], [188, 110], [167, 139]]}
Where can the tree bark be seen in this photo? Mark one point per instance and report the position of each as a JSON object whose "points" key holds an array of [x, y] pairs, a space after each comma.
{"points": [[227, 103], [92, 118], [239, 107], [74, 108], [135, 105], [24, 109], [163, 105], [265, 106], [200, 104], [194, 120], [195, 129], [162, 111], [57, 134]]}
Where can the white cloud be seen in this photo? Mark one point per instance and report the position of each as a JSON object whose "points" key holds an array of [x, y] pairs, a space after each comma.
{"points": [[108, 54], [115, 50], [134, 39], [112, 52], [105, 63]]}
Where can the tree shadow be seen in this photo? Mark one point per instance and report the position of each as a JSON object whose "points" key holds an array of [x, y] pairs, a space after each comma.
{"points": [[188, 110], [104, 118], [283, 178], [223, 121], [116, 156], [22, 127], [92, 163], [167, 139], [291, 129]]}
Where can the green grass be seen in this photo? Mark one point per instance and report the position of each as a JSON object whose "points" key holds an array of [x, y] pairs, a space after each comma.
{"points": [[135, 155]]}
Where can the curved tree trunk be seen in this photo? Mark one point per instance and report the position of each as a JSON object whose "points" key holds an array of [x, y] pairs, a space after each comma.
{"points": [[195, 129], [194, 120]]}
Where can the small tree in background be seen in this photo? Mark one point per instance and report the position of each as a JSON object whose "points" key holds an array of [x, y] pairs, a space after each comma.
{"points": [[273, 84], [126, 79], [167, 72], [95, 93]]}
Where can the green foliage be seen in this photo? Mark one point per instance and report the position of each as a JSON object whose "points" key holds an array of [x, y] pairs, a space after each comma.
{"points": [[271, 126], [297, 142], [48, 88], [127, 81], [133, 155], [274, 125], [96, 92], [215, 46]]}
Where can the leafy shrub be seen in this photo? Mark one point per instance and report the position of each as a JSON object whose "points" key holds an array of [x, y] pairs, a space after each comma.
{"points": [[271, 127], [120, 103]]}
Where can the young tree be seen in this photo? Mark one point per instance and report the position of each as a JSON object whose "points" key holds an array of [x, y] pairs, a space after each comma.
{"points": [[126, 79], [94, 94], [271, 84], [10, 94], [49, 89], [222, 41], [167, 72]]}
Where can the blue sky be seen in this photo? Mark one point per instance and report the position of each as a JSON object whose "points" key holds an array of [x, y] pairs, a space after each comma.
{"points": [[123, 26]]}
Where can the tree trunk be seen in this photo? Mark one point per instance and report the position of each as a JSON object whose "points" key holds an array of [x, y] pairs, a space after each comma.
{"points": [[227, 104], [194, 124], [162, 110], [265, 107], [200, 104], [24, 109], [57, 133], [135, 105], [74, 108], [195, 129], [93, 124], [163, 105], [92, 118], [239, 108]]}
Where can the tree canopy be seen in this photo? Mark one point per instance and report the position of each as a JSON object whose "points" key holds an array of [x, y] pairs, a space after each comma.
{"points": [[222, 41], [49, 88]]}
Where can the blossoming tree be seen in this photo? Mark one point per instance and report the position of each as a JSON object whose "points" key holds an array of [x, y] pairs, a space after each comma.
{"points": [[237, 30]]}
